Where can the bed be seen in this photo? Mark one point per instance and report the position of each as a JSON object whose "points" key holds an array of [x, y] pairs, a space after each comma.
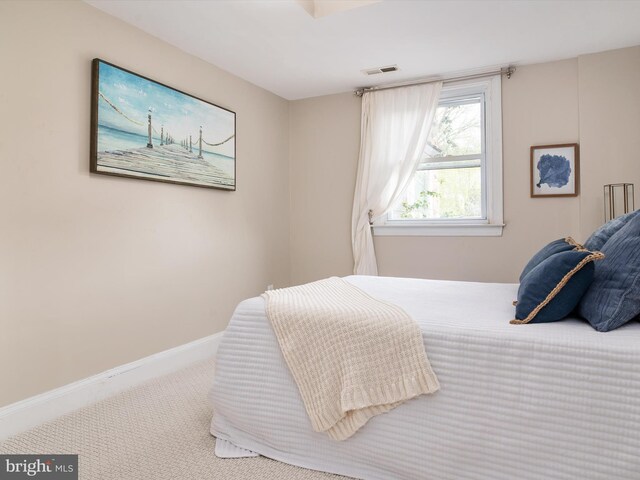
{"points": [[538, 401]]}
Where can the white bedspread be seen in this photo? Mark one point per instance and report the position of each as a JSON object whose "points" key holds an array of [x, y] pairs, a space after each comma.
{"points": [[528, 402]]}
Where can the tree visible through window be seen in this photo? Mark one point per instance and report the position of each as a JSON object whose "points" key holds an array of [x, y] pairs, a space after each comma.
{"points": [[457, 188], [449, 181]]}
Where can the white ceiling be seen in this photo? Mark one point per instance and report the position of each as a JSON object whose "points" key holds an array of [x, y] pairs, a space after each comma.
{"points": [[279, 46]]}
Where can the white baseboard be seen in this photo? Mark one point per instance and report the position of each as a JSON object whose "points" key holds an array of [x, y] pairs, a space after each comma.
{"points": [[25, 414]]}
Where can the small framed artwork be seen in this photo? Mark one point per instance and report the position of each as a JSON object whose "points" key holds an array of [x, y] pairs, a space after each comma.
{"points": [[146, 130], [555, 170]]}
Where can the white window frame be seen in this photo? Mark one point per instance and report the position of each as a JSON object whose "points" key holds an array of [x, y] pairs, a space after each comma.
{"points": [[492, 204]]}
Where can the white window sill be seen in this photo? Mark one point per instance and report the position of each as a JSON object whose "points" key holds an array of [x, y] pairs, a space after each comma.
{"points": [[439, 230]]}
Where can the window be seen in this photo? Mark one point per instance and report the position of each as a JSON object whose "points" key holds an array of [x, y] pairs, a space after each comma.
{"points": [[457, 188]]}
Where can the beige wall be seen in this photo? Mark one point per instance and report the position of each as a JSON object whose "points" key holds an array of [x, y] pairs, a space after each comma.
{"points": [[97, 271], [593, 100], [324, 142], [609, 85]]}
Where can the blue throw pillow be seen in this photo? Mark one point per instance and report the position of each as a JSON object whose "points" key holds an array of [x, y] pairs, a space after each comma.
{"points": [[557, 246], [552, 289], [598, 238], [614, 297]]}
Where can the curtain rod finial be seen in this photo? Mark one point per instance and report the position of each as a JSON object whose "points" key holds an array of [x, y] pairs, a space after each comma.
{"points": [[509, 71]]}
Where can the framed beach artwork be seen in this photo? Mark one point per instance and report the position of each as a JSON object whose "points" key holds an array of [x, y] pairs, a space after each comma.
{"points": [[144, 129], [555, 170]]}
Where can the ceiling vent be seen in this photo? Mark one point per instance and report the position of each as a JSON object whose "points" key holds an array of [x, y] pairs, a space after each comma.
{"points": [[376, 71]]}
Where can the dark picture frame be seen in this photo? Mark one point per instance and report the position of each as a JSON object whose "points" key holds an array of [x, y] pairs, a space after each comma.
{"points": [[144, 129], [555, 170]]}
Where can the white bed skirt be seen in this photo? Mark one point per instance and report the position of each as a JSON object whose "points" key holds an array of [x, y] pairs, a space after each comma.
{"points": [[527, 402]]}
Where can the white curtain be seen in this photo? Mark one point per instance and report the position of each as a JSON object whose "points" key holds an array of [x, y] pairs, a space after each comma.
{"points": [[394, 130]]}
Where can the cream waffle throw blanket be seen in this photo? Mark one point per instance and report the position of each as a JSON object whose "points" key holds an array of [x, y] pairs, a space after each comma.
{"points": [[352, 356]]}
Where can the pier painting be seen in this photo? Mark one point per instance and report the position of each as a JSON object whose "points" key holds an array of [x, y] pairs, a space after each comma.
{"points": [[143, 129]]}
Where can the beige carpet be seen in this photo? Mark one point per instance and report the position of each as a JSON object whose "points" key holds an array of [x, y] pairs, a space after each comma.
{"points": [[159, 430]]}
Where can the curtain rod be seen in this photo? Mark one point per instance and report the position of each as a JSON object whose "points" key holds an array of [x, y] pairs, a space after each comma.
{"points": [[508, 71]]}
